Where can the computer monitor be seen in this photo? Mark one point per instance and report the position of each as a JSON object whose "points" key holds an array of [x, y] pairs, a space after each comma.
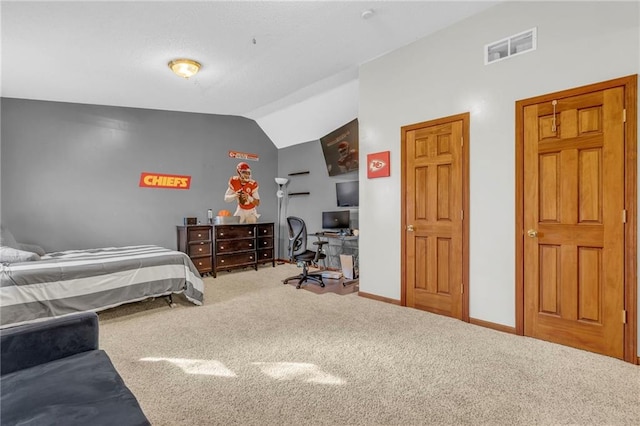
{"points": [[335, 220], [347, 194]]}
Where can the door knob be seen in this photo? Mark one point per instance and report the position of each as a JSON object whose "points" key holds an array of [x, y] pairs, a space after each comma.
{"points": [[532, 233], [410, 228]]}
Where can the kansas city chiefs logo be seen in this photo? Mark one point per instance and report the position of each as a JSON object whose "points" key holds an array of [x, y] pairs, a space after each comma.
{"points": [[376, 165]]}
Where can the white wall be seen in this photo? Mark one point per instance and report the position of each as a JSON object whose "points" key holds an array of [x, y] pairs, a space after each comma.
{"points": [[578, 43]]}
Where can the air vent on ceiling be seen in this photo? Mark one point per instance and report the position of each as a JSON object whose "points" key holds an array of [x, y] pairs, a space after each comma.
{"points": [[516, 44]]}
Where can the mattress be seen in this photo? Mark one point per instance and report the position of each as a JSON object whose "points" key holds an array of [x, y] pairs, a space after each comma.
{"points": [[71, 281]]}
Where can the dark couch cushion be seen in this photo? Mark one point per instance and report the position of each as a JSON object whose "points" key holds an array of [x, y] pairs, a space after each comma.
{"points": [[83, 389], [27, 345]]}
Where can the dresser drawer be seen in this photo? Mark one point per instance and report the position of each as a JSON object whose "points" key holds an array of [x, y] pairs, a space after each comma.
{"points": [[230, 246], [237, 231], [265, 242], [200, 249], [265, 230], [199, 234], [265, 255], [203, 264], [238, 259]]}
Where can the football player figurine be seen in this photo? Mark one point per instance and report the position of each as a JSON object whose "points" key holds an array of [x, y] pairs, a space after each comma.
{"points": [[245, 190]]}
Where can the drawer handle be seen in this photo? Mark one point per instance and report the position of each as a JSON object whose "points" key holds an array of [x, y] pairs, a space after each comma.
{"points": [[265, 243], [199, 235], [200, 249], [221, 247], [251, 257], [199, 263], [265, 255], [221, 234], [222, 261], [250, 245], [250, 232]]}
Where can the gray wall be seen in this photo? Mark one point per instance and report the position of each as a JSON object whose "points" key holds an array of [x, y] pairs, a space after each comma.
{"points": [[70, 172], [308, 156]]}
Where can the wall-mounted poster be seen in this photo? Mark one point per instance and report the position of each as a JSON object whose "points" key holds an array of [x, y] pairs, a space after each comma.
{"points": [[243, 190], [340, 149], [244, 156], [378, 165]]}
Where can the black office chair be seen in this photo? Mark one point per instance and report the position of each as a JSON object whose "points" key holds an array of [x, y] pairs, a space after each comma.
{"points": [[298, 252]]}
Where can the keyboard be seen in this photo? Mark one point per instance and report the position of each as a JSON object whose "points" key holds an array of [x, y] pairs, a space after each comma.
{"points": [[330, 234]]}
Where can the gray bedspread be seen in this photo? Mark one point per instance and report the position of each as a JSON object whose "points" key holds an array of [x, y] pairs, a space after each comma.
{"points": [[92, 280]]}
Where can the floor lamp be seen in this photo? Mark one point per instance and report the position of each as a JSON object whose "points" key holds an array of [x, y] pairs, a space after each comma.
{"points": [[281, 195]]}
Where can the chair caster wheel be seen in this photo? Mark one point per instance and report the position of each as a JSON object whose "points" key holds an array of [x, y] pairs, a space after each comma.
{"points": [[322, 285], [298, 287]]}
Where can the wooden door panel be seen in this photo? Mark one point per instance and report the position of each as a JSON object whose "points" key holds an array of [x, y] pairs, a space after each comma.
{"points": [[589, 284], [550, 261], [590, 186], [573, 201]]}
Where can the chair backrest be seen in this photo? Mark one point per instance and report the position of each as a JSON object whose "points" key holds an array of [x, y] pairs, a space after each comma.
{"points": [[297, 236]]}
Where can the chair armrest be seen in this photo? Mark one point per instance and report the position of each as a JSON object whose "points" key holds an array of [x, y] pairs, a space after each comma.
{"points": [[28, 345], [319, 253]]}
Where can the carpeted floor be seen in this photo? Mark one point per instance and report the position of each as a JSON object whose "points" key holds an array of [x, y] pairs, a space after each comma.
{"points": [[262, 353]]}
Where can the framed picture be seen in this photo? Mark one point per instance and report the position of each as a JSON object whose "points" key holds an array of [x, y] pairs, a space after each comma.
{"points": [[378, 165], [340, 149]]}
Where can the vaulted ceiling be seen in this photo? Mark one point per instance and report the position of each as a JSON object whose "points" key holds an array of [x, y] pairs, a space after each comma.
{"points": [[290, 65]]}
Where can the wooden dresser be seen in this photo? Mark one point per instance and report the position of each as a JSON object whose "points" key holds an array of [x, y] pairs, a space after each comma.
{"points": [[242, 245], [196, 242]]}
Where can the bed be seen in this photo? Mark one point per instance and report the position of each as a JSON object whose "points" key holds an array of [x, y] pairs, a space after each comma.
{"points": [[71, 281]]}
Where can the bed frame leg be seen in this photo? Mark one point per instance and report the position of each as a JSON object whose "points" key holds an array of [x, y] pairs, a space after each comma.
{"points": [[170, 301]]}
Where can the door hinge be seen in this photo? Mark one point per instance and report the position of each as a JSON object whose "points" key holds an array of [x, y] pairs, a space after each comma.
{"points": [[624, 115], [624, 216], [461, 141], [624, 317], [462, 288], [461, 214]]}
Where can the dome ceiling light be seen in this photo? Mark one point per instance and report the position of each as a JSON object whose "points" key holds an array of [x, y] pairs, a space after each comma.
{"points": [[184, 68]]}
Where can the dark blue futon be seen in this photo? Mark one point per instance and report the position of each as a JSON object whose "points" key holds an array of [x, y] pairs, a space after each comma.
{"points": [[52, 373]]}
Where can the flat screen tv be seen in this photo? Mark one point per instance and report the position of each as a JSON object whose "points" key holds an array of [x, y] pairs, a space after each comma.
{"points": [[335, 220], [347, 194]]}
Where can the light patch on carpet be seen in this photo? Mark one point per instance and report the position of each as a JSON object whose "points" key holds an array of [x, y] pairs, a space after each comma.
{"points": [[300, 371], [197, 366]]}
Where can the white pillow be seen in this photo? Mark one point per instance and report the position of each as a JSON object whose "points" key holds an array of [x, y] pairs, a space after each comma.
{"points": [[31, 247], [11, 255], [6, 238]]}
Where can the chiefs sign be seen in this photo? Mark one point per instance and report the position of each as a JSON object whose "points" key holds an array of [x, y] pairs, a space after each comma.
{"points": [[155, 180], [244, 156], [378, 165]]}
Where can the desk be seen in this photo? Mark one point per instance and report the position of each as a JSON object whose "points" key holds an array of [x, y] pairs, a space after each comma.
{"points": [[338, 244]]}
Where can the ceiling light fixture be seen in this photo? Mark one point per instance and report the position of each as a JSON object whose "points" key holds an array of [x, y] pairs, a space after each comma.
{"points": [[184, 67], [367, 14]]}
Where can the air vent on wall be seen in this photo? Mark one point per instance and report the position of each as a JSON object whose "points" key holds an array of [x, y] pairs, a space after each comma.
{"points": [[516, 44]]}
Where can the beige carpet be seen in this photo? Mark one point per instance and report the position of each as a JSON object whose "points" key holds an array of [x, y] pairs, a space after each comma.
{"points": [[262, 353]]}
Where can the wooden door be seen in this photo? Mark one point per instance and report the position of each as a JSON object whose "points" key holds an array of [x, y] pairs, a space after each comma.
{"points": [[574, 201], [434, 198]]}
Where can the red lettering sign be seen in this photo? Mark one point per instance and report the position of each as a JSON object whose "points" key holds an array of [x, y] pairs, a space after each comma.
{"points": [[244, 156], [157, 180]]}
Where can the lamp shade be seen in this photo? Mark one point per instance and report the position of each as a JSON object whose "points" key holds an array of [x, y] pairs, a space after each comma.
{"points": [[281, 181], [184, 67]]}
